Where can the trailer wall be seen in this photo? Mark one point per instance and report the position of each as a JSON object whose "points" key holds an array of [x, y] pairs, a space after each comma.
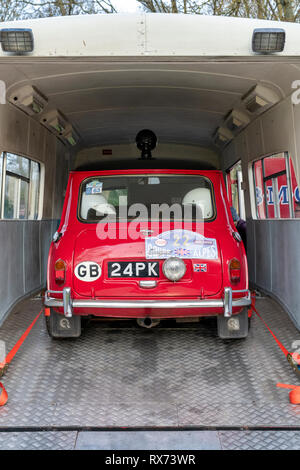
{"points": [[25, 243], [273, 245]]}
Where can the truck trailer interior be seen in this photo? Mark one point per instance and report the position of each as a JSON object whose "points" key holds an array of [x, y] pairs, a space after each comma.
{"points": [[77, 100]]}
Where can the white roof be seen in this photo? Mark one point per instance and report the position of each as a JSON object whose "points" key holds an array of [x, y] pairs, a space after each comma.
{"points": [[141, 35]]}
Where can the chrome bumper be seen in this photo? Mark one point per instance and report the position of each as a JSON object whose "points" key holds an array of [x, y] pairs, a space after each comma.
{"points": [[227, 302]]}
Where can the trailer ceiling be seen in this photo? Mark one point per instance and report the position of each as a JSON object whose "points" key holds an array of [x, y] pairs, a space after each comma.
{"points": [[108, 102]]}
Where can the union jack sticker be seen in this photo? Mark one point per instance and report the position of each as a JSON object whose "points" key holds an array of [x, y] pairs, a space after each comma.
{"points": [[181, 252], [200, 268]]}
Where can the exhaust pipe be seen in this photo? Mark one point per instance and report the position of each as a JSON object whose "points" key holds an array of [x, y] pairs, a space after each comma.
{"points": [[147, 322]]}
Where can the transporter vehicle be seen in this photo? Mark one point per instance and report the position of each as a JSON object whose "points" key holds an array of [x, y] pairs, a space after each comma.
{"points": [[149, 244], [225, 98]]}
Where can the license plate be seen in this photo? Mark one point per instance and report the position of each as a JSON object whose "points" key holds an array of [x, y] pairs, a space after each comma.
{"points": [[133, 269]]}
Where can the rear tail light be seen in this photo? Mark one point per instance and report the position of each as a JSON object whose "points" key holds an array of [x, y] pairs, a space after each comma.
{"points": [[60, 272], [235, 271]]}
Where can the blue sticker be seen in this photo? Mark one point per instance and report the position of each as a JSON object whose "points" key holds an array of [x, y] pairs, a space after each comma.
{"points": [[181, 244], [95, 187]]}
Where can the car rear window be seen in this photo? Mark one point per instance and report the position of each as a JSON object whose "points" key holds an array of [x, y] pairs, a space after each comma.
{"points": [[148, 196]]}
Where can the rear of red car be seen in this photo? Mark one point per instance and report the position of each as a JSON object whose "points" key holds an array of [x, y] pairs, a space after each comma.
{"points": [[147, 244]]}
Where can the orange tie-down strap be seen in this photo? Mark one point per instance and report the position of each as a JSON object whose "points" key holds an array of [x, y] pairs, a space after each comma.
{"points": [[3, 395], [11, 355], [294, 394], [292, 358]]}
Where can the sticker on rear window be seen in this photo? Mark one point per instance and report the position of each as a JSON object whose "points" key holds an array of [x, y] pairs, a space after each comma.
{"points": [[94, 187], [181, 244]]}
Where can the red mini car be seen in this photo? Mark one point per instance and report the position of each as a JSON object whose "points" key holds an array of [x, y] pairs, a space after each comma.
{"points": [[147, 244]]}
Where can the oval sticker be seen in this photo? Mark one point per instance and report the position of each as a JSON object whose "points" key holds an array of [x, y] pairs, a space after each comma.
{"points": [[160, 242], [88, 271]]}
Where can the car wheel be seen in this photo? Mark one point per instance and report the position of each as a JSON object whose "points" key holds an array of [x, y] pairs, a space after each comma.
{"points": [[60, 327], [235, 327]]}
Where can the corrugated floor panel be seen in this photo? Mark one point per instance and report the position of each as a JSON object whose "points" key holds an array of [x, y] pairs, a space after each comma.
{"points": [[132, 377]]}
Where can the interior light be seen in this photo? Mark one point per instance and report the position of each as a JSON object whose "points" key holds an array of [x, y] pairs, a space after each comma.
{"points": [[70, 135], [58, 126], [259, 98], [71, 140], [236, 120], [55, 121], [224, 135], [29, 99]]}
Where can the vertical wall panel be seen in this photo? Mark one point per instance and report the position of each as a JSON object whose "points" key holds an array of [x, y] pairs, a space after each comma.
{"points": [[229, 155], [278, 131], [31, 243], [251, 254], [11, 264], [14, 128], [61, 180], [50, 151], [25, 244], [263, 255], [46, 232], [36, 139], [286, 264], [255, 140], [23, 259]]}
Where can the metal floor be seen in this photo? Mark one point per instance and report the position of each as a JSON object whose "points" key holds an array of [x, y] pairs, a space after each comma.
{"points": [[181, 377], [150, 440]]}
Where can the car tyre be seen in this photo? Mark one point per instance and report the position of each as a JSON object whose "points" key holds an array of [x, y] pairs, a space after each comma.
{"points": [[60, 327], [225, 330]]}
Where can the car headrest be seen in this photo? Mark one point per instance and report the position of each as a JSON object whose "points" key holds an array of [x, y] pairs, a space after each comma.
{"points": [[200, 197]]}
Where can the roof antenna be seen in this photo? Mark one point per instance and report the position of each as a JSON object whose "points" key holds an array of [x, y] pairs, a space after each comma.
{"points": [[146, 142]]}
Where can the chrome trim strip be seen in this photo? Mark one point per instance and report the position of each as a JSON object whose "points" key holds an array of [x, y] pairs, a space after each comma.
{"points": [[227, 302], [67, 302]]}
